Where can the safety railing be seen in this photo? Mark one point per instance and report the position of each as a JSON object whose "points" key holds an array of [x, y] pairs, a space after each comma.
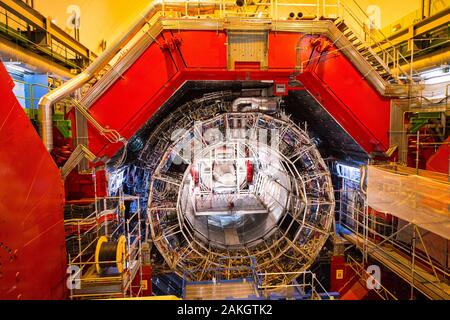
{"points": [[361, 272], [30, 98], [17, 29], [271, 9], [361, 25], [111, 135], [305, 285], [108, 220], [246, 267], [376, 236]]}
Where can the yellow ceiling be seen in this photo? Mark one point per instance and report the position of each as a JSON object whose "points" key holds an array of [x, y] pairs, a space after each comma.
{"points": [[100, 19], [106, 19]]}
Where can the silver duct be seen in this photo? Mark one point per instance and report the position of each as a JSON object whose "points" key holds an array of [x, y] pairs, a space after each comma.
{"points": [[11, 51], [255, 104], [48, 100]]}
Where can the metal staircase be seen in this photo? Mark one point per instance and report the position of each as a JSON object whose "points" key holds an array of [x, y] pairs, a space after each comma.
{"points": [[227, 290], [366, 51]]}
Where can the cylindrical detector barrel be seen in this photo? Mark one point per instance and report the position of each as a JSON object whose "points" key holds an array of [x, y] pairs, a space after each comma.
{"points": [[110, 254]]}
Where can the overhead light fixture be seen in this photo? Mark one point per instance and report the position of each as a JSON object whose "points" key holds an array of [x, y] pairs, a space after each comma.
{"points": [[16, 67], [435, 76], [396, 28]]}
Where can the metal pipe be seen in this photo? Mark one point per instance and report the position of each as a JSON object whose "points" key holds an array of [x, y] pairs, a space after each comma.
{"points": [[426, 62], [67, 88], [254, 104], [11, 51], [417, 152], [428, 8], [422, 9]]}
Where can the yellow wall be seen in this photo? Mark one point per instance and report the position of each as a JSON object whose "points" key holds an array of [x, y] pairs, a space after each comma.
{"points": [[392, 10], [100, 19], [106, 19]]}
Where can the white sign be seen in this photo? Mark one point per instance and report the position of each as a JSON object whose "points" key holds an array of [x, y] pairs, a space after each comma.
{"points": [[374, 279], [374, 13], [74, 279], [74, 19]]}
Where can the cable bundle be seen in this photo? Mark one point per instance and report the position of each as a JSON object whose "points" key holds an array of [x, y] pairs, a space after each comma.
{"points": [[110, 254]]}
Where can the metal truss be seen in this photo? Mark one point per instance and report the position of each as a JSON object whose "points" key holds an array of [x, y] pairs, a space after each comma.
{"points": [[385, 242], [298, 220], [108, 220]]}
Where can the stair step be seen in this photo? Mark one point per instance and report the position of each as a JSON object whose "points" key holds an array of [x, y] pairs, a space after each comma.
{"points": [[362, 46], [342, 27], [352, 38], [348, 33], [338, 22], [363, 50], [378, 63], [378, 67]]}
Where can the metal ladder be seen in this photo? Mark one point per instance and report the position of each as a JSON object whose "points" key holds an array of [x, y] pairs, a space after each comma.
{"points": [[366, 51]]}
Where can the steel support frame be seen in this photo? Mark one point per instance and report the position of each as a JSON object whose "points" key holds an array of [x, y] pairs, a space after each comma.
{"points": [[271, 249], [363, 234], [34, 18], [124, 284], [219, 74]]}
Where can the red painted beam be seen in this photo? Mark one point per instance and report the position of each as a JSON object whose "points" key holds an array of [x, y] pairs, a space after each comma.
{"points": [[368, 120], [439, 162], [180, 56], [32, 240], [345, 115]]}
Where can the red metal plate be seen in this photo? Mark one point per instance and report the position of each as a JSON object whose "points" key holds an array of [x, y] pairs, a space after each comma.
{"points": [[32, 240]]}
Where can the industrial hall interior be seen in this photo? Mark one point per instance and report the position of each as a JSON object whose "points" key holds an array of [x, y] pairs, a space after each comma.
{"points": [[224, 150]]}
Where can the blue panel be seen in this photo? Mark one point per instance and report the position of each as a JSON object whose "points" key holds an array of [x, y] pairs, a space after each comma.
{"points": [[37, 88], [19, 92]]}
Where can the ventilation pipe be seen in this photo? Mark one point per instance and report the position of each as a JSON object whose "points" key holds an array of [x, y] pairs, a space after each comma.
{"points": [[10, 51], [251, 104], [255, 104], [45, 104], [426, 63]]}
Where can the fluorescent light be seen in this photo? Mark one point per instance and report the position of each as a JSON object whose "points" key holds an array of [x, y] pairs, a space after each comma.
{"points": [[348, 172], [437, 80], [15, 67], [435, 76]]}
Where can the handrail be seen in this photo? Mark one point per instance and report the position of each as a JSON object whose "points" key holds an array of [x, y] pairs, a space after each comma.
{"points": [[111, 135], [313, 283], [364, 274], [359, 227], [396, 54], [69, 87], [186, 8]]}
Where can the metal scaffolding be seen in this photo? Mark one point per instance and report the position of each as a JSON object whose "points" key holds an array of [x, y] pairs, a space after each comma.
{"points": [[110, 220], [253, 284], [282, 217], [416, 255]]}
